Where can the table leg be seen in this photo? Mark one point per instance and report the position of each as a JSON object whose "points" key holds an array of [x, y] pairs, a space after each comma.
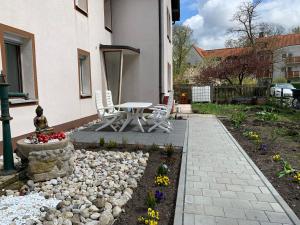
{"points": [[127, 121], [139, 113]]}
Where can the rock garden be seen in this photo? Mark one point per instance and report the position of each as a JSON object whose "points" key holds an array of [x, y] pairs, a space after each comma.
{"points": [[102, 184]]}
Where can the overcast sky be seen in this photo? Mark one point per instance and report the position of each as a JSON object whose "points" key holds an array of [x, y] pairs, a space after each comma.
{"points": [[210, 19]]}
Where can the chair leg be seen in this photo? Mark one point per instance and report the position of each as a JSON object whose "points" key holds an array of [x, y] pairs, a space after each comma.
{"points": [[161, 126], [108, 123], [154, 126], [164, 128]]}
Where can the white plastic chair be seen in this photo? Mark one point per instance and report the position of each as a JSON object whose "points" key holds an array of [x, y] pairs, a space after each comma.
{"points": [[113, 109], [161, 114], [107, 115]]}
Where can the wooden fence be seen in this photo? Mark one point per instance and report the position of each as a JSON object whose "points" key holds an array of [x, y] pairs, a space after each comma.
{"points": [[221, 94]]}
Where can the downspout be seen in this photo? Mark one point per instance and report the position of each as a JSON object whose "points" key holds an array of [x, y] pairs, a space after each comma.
{"points": [[160, 51]]}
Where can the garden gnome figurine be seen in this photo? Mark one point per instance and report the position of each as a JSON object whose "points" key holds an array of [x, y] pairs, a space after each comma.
{"points": [[40, 122]]}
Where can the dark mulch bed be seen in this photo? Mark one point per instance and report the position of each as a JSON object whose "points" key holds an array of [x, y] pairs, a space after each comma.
{"points": [[287, 147], [136, 207]]}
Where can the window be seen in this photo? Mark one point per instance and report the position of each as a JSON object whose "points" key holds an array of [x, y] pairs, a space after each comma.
{"points": [[13, 67], [168, 25], [81, 6], [107, 15], [84, 72], [18, 63]]}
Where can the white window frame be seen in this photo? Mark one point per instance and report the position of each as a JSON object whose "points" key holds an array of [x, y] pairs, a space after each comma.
{"points": [[84, 74]]}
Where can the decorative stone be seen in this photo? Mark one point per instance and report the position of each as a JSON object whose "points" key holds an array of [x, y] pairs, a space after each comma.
{"points": [[106, 218], [99, 202], [116, 211], [95, 216]]}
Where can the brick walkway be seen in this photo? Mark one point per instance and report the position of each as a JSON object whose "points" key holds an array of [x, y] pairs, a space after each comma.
{"points": [[222, 186]]}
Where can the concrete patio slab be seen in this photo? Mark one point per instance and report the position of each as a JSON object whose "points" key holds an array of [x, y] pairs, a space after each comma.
{"points": [[133, 135], [219, 184]]}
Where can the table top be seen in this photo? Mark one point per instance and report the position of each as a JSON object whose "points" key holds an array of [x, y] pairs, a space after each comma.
{"points": [[134, 105]]}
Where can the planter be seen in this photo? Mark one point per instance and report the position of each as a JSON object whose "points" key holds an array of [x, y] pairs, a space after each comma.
{"points": [[23, 149]]}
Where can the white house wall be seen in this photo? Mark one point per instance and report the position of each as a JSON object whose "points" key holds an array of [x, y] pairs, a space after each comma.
{"points": [[59, 30], [136, 24], [280, 63], [167, 47]]}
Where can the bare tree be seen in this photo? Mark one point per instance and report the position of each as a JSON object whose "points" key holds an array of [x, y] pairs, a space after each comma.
{"points": [[247, 26], [271, 29], [296, 30]]}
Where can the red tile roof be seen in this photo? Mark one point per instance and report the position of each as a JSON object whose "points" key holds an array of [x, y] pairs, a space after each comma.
{"points": [[273, 42], [280, 41]]}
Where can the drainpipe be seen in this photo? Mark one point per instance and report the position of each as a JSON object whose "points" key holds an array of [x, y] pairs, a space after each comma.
{"points": [[160, 51]]}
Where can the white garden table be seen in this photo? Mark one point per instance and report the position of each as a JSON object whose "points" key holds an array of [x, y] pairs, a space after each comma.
{"points": [[134, 111]]}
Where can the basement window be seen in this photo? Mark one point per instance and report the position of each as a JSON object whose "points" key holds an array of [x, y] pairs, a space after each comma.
{"points": [[84, 73]]}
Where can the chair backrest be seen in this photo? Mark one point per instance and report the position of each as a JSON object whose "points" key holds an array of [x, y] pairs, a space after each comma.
{"points": [[109, 101], [99, 103], [170, 103]]}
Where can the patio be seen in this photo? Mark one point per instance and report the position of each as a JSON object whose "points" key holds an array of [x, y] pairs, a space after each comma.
{"points": [[133, 135]]}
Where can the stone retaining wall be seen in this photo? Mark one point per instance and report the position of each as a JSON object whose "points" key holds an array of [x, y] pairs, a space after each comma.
{"points": [[48, 164]]}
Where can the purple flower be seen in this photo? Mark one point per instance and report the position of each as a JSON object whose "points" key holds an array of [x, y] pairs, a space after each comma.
{"points": [[158, 196], [264, 148]]}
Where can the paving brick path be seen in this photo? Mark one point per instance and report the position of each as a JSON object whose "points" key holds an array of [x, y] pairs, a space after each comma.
{"points": [[222, 186]]}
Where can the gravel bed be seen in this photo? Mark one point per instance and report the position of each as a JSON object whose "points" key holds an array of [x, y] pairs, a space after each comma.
{"points": [[19, 209], [101, 184]]}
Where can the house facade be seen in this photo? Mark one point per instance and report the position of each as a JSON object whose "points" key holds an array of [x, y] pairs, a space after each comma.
{"points": [[58, 53], [285, 51]]}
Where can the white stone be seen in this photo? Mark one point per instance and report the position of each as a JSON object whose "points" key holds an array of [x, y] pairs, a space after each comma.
{"points": [[116, 211], [95, 216]]}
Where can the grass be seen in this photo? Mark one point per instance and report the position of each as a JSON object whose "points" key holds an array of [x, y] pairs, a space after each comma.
{"points": [[284, 114], [215, 109]]}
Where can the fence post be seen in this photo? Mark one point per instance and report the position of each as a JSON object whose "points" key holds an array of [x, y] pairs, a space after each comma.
{"points": [[281, 98]]}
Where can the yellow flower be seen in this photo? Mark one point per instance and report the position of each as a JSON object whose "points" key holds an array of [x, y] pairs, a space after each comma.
{"points": [[276, 157]]}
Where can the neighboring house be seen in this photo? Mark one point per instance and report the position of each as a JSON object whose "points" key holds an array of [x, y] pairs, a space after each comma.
{"points": [[285, 48], [60, 52]]}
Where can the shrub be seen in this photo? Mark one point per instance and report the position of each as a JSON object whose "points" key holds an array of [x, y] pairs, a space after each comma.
{"points": [[154, 147], [169, 150], [111, 144], [150, 200], [101, 141], [162, 170], [237, 119], [137, 147], [279, 80], [287, 169], [267, 116]]}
